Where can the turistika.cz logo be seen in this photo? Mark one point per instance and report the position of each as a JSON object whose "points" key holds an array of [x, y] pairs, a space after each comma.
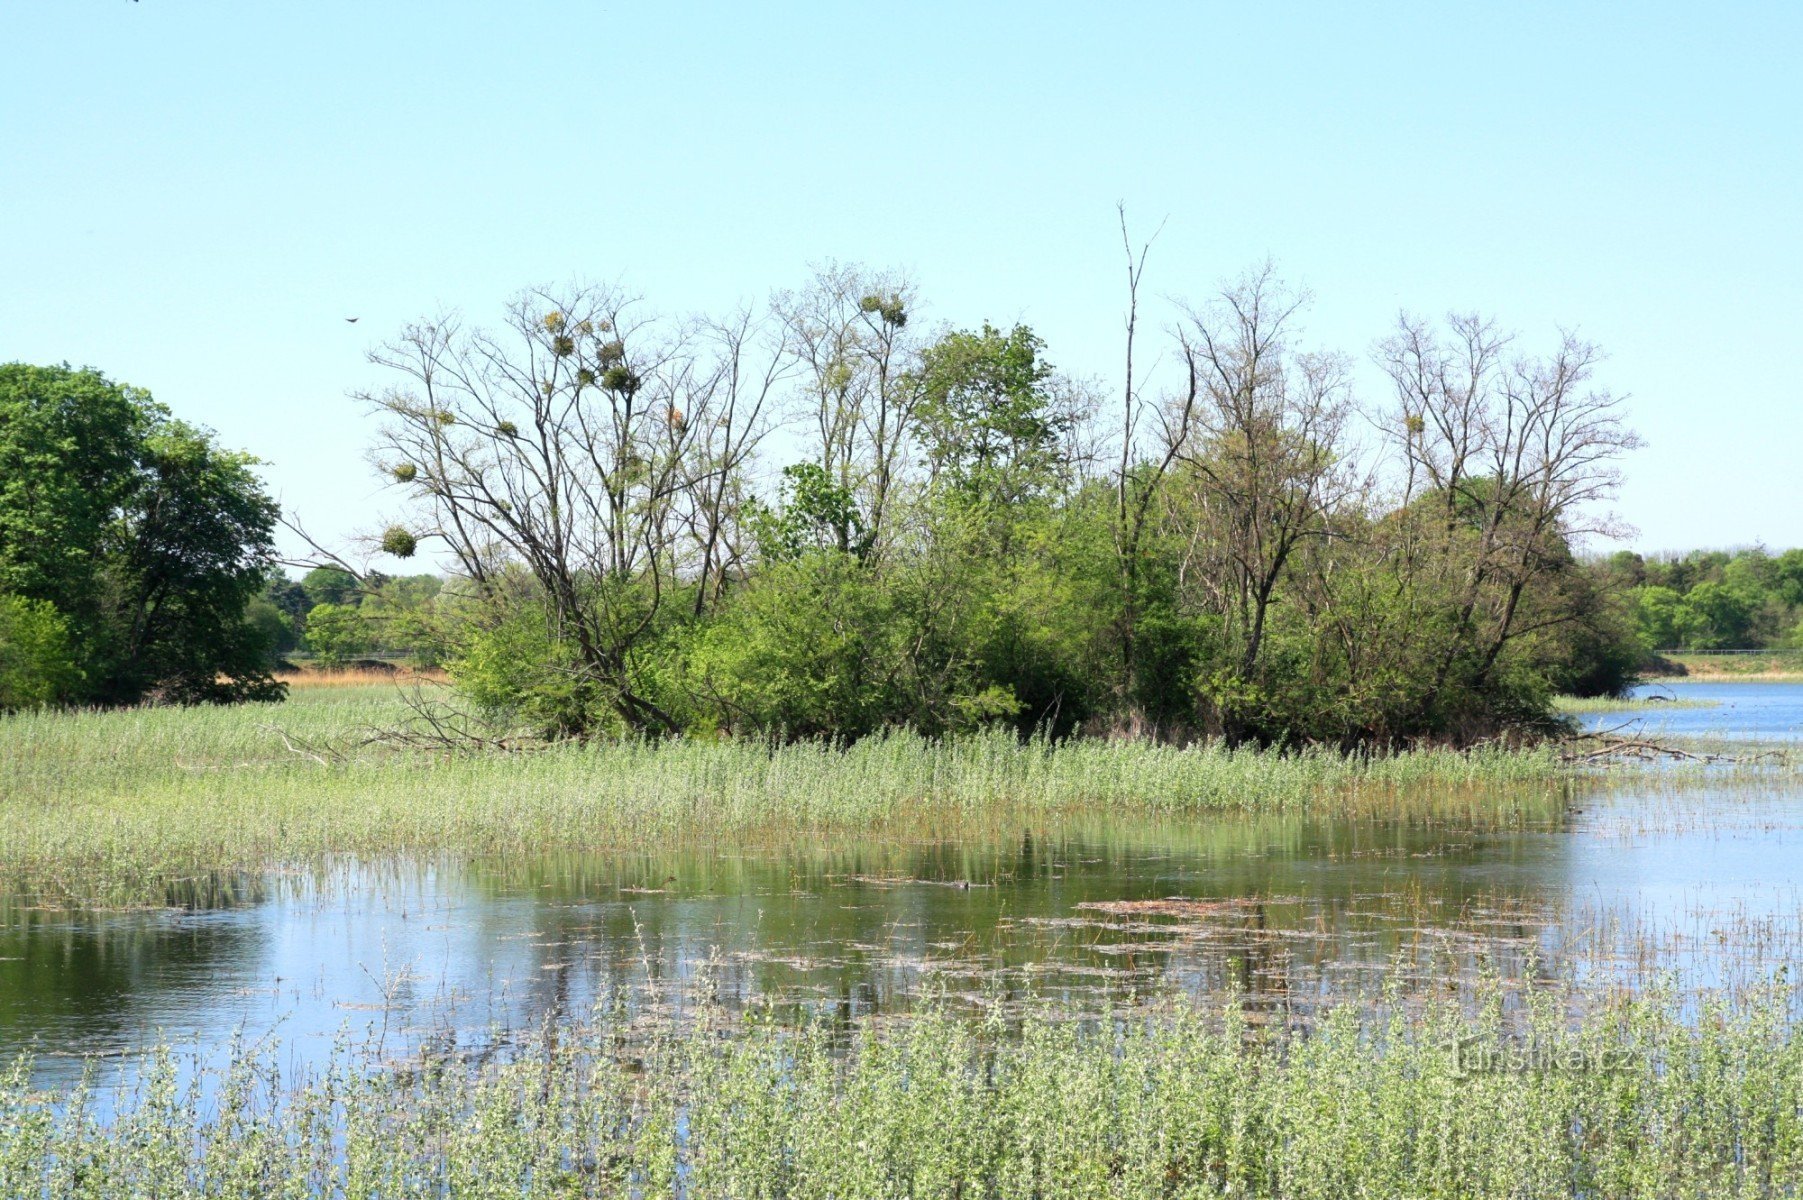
{"points": [[1477, 1056]]}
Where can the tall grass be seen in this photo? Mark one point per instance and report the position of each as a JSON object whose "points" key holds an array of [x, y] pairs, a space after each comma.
{"points": [[1635, 704], [1632, 1101], [131, 807]]}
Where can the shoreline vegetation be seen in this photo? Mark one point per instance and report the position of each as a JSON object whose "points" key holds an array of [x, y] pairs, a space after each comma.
{"points": [[1574, 705], [1493, 1099], [135, 807], [1763, 667]]}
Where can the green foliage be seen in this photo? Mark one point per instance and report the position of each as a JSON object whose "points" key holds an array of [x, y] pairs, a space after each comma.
{"points": [[951, 555], [330, 585], [991, 420], [70, 445], [149, 539], [37, 661], [1713, 599], [338, 633], [813, 513], [824, 646], [515, 668], [274, 628]]}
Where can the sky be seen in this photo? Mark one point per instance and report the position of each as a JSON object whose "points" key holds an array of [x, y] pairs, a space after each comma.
{"points": [[194, 195]]}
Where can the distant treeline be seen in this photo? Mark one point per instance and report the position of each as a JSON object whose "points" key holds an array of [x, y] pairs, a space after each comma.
{"points": [[822, 518], [1748, 599], [334, 618]]}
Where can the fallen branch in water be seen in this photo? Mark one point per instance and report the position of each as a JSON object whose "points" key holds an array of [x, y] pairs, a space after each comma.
{"points": [[1639, 748], [1611, 746]]}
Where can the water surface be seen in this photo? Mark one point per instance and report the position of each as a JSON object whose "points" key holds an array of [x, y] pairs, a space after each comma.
{"points": [[1616, 887]]}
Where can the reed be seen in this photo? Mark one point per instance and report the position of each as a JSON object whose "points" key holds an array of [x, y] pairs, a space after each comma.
{"points": [[135, 807], [1628, 704]]}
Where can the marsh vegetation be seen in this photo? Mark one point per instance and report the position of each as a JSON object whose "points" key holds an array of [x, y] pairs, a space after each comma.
{"points": [[731, 967], [1635, 1101]]}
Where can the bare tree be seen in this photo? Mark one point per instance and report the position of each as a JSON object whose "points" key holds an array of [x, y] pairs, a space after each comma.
{"points": [[1265, 452], [561, 461], [747, 375], [1137, 484], [847, 337], [1512, 456]]}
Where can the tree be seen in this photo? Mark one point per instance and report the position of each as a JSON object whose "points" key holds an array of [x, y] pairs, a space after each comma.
{"points": [[562, 461], [1264, 452], [1507, 463], [330, 585], [847, 342], [1663, 621], [814, 513], [70, 444], [1718, 617], [37, 664], [338, 633], [994, 416], [140, 530]]}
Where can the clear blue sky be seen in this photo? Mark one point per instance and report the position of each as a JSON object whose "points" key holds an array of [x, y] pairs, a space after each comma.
{"points": [[193, 195]]}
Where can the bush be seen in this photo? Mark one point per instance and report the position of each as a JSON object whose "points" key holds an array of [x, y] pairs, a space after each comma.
{"points": [[515, 668], [37, 662]]}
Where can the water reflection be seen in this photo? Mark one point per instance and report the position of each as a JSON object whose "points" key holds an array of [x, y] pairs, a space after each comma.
{"points": [[471, 955]]}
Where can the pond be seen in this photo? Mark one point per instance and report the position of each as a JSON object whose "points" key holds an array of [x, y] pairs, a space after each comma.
{"points": [[1698, 875], [1733, 712]]}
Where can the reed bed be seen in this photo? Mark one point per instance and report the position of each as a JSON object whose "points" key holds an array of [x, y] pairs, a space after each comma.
{"points": [[1633, 1100], [1629, 704], [135, 807]]}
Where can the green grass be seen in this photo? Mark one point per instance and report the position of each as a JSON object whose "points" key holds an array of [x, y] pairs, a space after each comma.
{"points": [[136, 807], [1775, 666], [1630, 1101], [1633, 704]]}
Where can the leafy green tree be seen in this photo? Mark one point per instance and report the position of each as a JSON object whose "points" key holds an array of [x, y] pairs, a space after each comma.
{"points": [[37, 664], [330, 585], [337, 633], [1719, 615], [403, 618], [1720, 600], [1661, 618], [994, 416], [144, 534], [1789, 578], [274, 628], [288, 597], [196, 547], [814, 513], [70, 444]]}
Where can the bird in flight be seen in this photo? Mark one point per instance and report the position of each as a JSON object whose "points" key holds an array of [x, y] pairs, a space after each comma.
{"points": [[352, 320]]}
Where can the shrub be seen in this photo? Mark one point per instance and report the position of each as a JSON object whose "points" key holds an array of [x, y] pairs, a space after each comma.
{"points": [[37, 663]]}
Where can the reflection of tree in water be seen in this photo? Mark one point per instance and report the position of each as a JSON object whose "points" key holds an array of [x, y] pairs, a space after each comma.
{"points": [[853, 929], [86, 982], [1292, 911]]}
